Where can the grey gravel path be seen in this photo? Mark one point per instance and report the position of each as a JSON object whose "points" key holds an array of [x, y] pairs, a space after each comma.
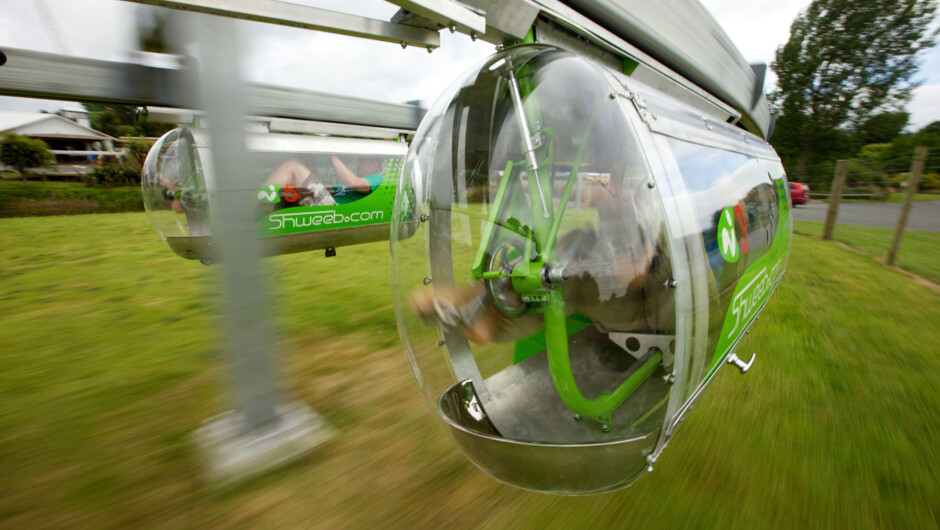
{"points": [[923, 216]]}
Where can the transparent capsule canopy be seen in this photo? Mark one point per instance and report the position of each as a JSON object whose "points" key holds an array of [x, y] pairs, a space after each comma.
{"points": [[174, 186], [533, 291], [310, 192]]}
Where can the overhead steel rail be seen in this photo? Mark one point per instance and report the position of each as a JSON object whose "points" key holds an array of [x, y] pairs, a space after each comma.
{"points": [[306, 17], [196, 118], [53, 76], [678, 46]]}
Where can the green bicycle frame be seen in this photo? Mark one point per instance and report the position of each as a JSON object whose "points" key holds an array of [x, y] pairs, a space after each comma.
{"points": [[541, 248]]}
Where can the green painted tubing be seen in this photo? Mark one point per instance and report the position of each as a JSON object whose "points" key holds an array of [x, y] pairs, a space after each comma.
{"points": [[550, 241], [497, 210], [602, 407]]}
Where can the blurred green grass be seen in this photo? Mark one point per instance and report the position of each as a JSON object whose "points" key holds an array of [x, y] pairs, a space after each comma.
{"points": [[38, 198], [918, 197], [893, 196], [919, 252], [111, 352]]}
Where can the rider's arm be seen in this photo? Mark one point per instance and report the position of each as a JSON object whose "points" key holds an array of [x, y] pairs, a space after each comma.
{"points": [[350, 179], [171, 187]]}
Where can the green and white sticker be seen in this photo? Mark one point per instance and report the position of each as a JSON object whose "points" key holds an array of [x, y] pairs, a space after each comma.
{"points": [[727, 241], [269, 193]]}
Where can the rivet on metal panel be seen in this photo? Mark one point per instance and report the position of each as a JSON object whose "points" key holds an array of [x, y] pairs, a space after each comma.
{"points": [[427, 281], [651, 184], [430, 49], [424, 217], [473, 35], [605, 427], [577, 417], [440, 343], [612, 95], [453, 28]]}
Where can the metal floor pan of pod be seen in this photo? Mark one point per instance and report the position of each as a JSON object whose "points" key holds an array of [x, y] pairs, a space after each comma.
{"points": [[525, 436]]}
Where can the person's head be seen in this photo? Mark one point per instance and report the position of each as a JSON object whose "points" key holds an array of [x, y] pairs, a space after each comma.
{"points": [[368, 165]]}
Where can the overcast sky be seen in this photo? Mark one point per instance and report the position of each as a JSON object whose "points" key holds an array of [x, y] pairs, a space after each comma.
{"points": [[287, 56]]}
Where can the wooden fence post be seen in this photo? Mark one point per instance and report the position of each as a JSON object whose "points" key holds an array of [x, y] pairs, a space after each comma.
{"points": [[842, 170], [917, 167]]}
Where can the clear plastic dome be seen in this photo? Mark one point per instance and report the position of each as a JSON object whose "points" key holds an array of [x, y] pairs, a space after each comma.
{"points": [[534, 287], [310, 192], [174, 187]]}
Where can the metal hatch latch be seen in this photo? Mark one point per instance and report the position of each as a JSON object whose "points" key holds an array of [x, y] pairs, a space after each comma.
{"points": [[735, 360]]}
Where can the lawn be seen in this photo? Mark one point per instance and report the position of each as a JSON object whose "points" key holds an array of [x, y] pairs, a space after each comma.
{"points": [[919, 252], [918, 197], [892, 197], [111, 348], [36, 198]]}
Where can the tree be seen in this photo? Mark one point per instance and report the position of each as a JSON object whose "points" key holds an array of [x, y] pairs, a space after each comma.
{"points": [[21, 152], [845, 61], [113, 120], [932, 128], [121, 120], [902, 149], [881, 128]]}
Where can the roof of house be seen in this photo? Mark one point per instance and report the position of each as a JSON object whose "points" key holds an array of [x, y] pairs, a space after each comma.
{"points": [[46, 126]]}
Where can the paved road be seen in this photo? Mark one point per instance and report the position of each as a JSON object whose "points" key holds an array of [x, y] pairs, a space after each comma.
{"points": [[923, 216]]}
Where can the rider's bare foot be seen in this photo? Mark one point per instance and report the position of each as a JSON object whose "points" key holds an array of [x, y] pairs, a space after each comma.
{"points": [[460, 308]]}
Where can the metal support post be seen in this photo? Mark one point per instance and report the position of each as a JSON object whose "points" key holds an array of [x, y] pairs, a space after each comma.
{"points": [[917, 168], [842, 170], [261, 434]]}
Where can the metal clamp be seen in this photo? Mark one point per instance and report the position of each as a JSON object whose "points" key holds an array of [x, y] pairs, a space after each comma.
{"points": [[735, 360]]}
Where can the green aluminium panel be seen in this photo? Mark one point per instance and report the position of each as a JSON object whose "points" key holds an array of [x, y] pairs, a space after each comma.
{"points": [[374, 208], [759, 279], [744, 217]]}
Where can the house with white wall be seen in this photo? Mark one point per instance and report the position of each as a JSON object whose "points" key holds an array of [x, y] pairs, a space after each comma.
{"points": [[75, 146]]}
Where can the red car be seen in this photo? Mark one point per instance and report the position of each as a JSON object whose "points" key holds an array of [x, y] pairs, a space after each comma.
{"points": [[799, 193]]}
